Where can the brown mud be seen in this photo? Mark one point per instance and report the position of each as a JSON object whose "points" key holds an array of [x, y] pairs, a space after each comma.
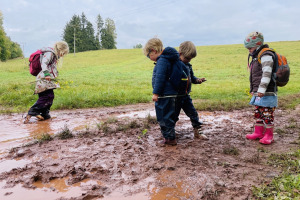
{"points": [[115, 155]]}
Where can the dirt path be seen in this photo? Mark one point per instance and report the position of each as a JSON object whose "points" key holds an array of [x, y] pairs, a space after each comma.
{"points": [[120, 159]]}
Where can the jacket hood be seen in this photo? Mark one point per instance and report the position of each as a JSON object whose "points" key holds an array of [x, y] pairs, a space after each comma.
{"points": [[170, 53], [49, 49]]}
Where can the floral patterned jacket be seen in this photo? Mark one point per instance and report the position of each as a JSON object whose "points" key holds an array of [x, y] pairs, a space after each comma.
{"points": [[48, 64]]}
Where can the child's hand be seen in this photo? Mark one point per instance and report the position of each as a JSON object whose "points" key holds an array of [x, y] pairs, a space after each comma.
{"points": [[201, 80], [260, 94], [48, 78], [155, 97]]}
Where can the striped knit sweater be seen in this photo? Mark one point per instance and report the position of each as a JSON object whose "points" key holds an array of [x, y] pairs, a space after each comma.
{"points": [[267, 66], [261, 73]]}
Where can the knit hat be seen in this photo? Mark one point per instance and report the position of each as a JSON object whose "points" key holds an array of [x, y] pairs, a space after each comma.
{"points": [[254, 39]]}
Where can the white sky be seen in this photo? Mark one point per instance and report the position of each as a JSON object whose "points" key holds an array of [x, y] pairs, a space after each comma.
{"points": [[39, 23]]}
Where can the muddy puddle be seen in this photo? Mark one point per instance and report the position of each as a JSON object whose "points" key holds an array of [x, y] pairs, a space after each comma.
{"points": [[14, 133], [128, 163]]}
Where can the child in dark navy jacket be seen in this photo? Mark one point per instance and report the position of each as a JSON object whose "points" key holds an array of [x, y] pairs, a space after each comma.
{"points": [[187, 51], [164, 95]]}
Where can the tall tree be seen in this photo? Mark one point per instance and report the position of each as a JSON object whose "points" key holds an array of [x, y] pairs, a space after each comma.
{"points": [[80, 31], [1, 21], [84, 21], [90, 39], [107, 40], [100, 24], [15, 50], [8, 49], [3, 56], [72, 33], [109, 35]]}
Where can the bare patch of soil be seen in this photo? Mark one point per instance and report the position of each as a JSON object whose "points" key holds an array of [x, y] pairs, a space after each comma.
{"points": [[120, 158]]}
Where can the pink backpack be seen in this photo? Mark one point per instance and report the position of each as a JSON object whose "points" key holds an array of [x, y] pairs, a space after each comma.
{"points": [[35, 63]]}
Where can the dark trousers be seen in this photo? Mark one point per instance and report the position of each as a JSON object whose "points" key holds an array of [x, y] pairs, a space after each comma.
{"points": [[165, 115], [185, 103], [43, 104]]}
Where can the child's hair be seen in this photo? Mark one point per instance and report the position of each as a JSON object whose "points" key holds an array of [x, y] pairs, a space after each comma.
{"points": [[61, 48], [153, 44], [188, 49]]}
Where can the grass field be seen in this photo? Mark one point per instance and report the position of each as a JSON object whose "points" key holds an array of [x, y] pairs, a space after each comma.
{"points": [[119, 77]]}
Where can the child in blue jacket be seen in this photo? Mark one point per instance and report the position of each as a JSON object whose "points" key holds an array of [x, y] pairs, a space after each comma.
{"points": [[164, 94], [187, 51]]}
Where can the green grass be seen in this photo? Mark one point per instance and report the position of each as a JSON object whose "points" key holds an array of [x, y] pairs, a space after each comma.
{"points": [[286, 185], [44, 137], [65, 133], [118, 77]]}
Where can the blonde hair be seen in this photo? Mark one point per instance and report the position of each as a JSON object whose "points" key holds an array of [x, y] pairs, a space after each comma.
{"points": [[61, 48], [153, 44], [188, 49]]}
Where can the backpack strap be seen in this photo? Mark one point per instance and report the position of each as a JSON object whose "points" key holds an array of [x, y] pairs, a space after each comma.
{"points": [[54, 56], [264, 50], [51, 61]]}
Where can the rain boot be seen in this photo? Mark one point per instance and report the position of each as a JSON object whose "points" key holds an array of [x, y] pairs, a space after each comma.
{"points": [[258, 132], [268, 138]]}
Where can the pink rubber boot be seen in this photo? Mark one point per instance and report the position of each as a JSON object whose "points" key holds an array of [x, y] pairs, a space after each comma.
{"points": [[258, 132], [268, 138]]}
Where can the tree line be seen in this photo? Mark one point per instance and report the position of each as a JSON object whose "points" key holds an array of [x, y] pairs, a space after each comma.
{"points": [[80, 33], [8, 48]]}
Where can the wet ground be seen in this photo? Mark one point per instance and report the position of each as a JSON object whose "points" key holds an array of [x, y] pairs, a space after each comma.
{"points": [[115, 155]]}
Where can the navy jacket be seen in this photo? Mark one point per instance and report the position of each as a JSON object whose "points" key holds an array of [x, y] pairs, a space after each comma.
{"points": [[161, 72], [193, 79]]}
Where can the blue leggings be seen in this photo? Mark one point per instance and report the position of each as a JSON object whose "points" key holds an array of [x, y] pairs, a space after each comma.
{"points": [[185, 103]]}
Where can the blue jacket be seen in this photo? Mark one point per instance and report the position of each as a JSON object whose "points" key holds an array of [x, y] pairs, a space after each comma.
{"points": [[193, 79], [161, 72]]}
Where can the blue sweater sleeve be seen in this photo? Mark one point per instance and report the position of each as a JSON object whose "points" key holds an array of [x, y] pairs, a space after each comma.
{"points": [[160, 74], [194, 78]]}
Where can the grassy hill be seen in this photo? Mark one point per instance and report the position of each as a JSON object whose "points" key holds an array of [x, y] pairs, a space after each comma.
{"points": [[123, 76]]}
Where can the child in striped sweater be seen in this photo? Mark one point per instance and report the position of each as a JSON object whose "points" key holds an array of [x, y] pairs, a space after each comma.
{"points": [[262, 88]]}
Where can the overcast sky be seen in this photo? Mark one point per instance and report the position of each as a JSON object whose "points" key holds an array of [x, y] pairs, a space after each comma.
{"points": [[39, 23]]}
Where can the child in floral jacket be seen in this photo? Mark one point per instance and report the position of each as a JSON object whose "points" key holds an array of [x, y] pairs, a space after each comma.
{"points": [[45, 81]]}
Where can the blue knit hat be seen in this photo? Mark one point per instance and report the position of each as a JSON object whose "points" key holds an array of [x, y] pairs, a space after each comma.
{"points": [[254, 39]]}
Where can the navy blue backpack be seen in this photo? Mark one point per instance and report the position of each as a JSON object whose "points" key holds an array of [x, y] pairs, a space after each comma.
{"points": [[179, 77]]}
